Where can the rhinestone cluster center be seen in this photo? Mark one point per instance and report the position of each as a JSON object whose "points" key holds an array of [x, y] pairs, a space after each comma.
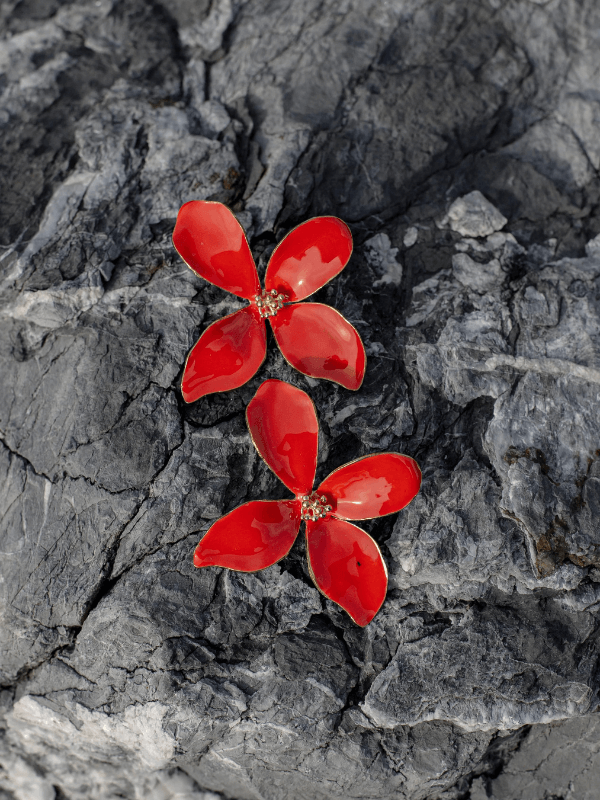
{"points": [[314, 507], [269, 303]]}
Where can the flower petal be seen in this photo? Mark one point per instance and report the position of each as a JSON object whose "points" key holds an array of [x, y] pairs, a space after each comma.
{"points": [[319, 342], [251, 537], [284, 428], [346, 565], [372, 486], [211, 241], [309, 256], [227, 355]]}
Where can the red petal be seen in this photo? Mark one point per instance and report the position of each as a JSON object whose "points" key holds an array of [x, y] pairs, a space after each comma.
{"points": [[319, 342], [251, 537], [284, 428], [211, 241], [346, 565], [228, 354], [309, 256], [372, 486]]}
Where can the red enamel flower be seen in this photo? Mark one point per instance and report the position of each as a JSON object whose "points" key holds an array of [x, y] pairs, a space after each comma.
{"points": [[314, 338], [344, 561]]}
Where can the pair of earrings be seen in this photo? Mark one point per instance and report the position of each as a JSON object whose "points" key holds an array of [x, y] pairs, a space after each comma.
{"points": [[344, 562]]}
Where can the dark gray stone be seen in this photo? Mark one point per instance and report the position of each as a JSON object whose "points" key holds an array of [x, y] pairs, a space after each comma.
{"points": [[459, 140]]}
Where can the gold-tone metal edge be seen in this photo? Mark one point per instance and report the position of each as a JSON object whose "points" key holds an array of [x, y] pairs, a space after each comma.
{"points": [[222, 391], [249, 571], [216, 203], [331, 380], [264, 460], [314, 580], [362, 458], [306, 221]]}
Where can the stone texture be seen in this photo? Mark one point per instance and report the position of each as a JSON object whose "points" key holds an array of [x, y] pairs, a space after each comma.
{"points": [[473, 215], [459, 141], [562, 760]]}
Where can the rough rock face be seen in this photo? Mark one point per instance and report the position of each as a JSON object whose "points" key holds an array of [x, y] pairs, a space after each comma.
{"points": [[459, 140]]}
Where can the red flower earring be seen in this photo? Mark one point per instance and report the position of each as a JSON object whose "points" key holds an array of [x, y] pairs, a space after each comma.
{"points": [[313, 338], [344, 561]]}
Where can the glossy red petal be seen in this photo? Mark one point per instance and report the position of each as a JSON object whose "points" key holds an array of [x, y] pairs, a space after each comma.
{"points": [[211, 241], [346, 565], [283, 425], [251, 537], [309, 256], [319, 342], [372, 486], [228, 354]]}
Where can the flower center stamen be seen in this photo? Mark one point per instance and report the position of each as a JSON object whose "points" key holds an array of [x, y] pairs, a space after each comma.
{"points": [[269, 303], [314, 507]]}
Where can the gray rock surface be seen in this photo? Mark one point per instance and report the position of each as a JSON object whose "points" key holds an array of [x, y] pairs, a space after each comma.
{"points": [[459, 141]]}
